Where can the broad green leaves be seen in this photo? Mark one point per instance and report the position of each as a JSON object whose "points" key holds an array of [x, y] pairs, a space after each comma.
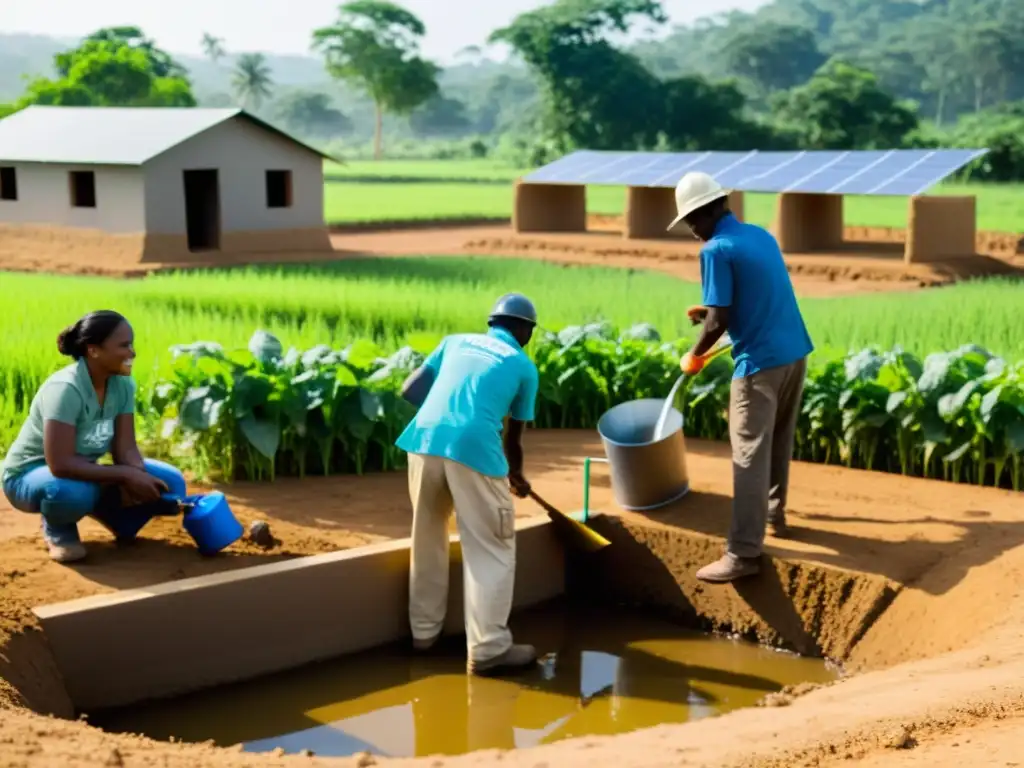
{"points": [[268, 410], [956, 415]]}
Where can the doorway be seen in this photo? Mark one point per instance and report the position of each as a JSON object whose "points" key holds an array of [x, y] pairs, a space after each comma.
{"points": [[202, 209]]}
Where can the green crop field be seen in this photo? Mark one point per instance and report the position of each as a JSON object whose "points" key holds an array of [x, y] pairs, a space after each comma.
{"points": [[424, 190], [388, 299], [416, 300]]}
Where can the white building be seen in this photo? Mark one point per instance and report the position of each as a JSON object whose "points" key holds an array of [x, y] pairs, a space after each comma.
{"points": [[168, 181]]}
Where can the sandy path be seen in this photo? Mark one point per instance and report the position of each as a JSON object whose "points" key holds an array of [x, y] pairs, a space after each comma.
{"points": [[958, 621], [875, 265], [990, 744]]}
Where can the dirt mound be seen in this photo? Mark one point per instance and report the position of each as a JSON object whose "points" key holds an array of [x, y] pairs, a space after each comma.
{"points": [[871, 259], [872, 262], [945, 656], [1001, 245]]}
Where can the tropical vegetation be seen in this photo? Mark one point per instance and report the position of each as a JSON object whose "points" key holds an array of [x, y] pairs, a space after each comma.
{"points": [[849, 74], [267, 411], [316, 389]]}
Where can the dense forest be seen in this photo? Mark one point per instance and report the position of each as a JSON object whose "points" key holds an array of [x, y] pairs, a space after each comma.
{"points": [[796, 73]]}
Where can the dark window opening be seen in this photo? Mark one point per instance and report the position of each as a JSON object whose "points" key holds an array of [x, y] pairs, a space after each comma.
{"points": [[279, 189], [8, 184], [83, 189]]}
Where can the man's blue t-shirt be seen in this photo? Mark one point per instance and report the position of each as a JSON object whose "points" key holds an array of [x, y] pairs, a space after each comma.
{"points": [[478, 380], [742, 268]]}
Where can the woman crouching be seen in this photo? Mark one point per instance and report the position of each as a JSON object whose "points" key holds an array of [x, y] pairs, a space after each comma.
{"points": [[81, 413]]}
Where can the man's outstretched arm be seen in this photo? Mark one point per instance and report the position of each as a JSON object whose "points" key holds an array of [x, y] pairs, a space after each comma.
{"points": [[715, 325]]}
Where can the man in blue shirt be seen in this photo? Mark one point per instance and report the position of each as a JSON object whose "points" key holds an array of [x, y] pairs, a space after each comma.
{"points": [[464, 391], [747, 292]]}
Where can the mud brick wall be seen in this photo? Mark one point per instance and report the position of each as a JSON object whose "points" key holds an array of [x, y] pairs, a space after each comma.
{"points": [[649, 211], [805, 223], [941, 228], [549, 208]]}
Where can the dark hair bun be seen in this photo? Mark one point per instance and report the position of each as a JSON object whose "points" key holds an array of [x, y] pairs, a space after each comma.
{"points": [[94, 328], [69, 343]]}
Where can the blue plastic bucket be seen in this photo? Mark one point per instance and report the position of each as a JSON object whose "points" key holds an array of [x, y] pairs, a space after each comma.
{"points": [[211, 523]]}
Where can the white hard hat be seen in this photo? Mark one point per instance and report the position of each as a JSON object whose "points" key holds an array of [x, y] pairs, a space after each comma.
{"points": [[694, 190]]}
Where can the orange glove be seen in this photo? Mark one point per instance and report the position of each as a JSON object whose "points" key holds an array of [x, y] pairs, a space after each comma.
{"points": [[697, 314], [692, 364]]}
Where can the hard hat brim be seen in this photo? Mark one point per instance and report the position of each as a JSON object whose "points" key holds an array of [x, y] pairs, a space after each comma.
{"points": [[525, 319], [694, 204]]}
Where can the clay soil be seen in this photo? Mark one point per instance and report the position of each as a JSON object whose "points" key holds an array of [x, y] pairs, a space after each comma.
{"points": [[938, 680], [871, 260]]}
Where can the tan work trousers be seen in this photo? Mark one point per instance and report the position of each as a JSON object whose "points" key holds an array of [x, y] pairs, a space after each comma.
{"points": [[485, 515], [763, 412]]}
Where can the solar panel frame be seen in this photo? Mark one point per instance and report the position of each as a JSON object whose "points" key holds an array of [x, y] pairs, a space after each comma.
{"points": [[899, 172]]}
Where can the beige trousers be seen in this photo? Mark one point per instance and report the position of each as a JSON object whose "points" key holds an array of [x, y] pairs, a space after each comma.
{"points": [[763, 412], [485, 515]]}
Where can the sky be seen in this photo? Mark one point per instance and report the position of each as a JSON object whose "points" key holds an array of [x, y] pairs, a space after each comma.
{"points": [[283, 26]]}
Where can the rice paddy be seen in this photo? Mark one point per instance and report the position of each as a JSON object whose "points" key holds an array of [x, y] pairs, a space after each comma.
{"points": [[417, 300]]}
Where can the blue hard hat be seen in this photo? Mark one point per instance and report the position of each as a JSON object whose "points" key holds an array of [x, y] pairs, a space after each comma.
{"points": [[514, 305]]}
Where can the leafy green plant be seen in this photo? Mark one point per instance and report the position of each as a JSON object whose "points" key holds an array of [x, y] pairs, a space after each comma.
{"points": [[270, 411], [263, 411]]}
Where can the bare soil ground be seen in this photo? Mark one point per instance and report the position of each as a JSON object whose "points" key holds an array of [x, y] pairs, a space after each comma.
{"points": [[871, 262], [939, 678]]}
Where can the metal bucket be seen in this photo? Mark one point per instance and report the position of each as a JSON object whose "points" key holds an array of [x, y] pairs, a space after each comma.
{"points": [[646, 474]]}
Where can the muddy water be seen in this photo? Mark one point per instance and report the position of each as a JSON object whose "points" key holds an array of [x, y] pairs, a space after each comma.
{"points": [[600, 673]]}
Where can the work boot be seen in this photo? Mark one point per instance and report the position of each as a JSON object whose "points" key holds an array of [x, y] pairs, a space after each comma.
{"points": [[63, 542], [729, 568], [779, 528], [517, 657]]}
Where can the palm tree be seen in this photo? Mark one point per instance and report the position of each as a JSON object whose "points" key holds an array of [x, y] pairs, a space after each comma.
{"points": [[213, 47], [251, 80]]}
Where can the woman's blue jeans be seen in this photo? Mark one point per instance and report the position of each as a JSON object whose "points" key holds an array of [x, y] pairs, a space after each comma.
{"points": [[62, 503]]}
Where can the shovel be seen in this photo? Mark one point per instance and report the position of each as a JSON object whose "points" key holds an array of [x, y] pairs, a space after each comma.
{"points": [[573, 532], [659, 428]]}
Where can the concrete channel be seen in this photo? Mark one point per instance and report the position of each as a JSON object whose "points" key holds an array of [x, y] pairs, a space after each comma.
{"points": [[195, 638]]}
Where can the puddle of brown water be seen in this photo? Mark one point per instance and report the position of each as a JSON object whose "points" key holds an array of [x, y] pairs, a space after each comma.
{"points": [[601, 673]]}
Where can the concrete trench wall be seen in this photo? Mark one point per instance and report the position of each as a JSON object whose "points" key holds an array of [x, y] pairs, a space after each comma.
{"points": [[199, 633]]}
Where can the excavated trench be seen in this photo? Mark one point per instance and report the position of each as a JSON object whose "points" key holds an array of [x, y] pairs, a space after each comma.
{"points": [[602, 671], [914, 583], [632, 641]]}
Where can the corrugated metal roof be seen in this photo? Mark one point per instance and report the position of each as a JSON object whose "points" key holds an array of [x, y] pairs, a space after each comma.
{"points": [[110, 135]]}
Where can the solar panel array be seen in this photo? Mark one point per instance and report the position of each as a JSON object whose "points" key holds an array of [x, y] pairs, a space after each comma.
{"points": [[876, 172]]}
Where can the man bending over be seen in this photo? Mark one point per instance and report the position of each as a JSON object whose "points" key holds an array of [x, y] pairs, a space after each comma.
{"points": [[464, 390]]}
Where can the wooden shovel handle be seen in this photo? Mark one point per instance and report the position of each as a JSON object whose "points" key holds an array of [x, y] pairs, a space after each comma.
{"points": [[544, 505]]}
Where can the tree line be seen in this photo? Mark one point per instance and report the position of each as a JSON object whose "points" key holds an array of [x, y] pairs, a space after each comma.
{"points": [[810, 74]]}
